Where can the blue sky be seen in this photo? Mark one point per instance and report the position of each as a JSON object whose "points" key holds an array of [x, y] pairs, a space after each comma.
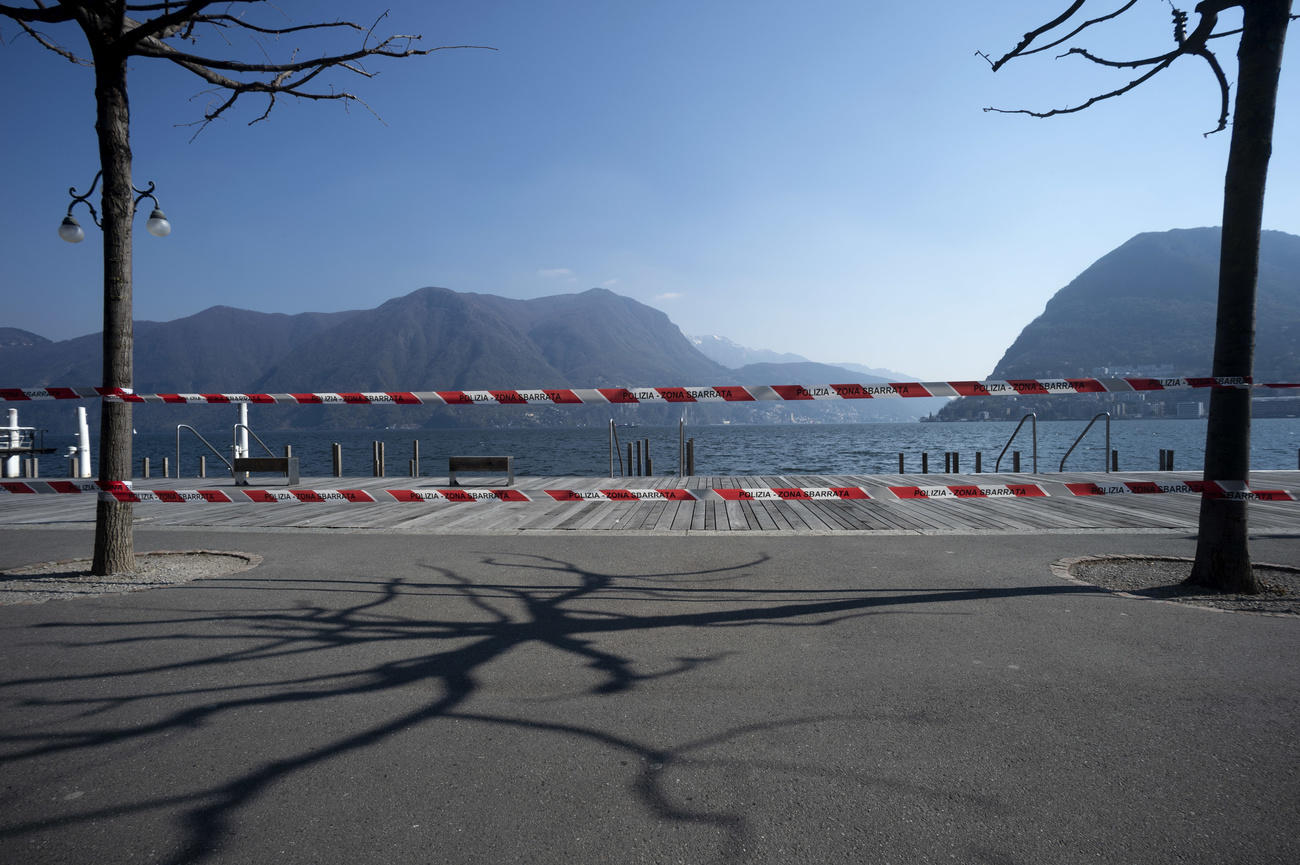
{"points": [[816, 178]]}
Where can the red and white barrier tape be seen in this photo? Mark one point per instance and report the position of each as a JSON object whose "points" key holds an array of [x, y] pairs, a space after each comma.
{"points": [[121, 491], [652, 395], [971, 491], [1210, 489]]}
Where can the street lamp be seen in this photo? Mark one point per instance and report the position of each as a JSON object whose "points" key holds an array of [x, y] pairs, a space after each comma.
{"points": [[71, 231]]}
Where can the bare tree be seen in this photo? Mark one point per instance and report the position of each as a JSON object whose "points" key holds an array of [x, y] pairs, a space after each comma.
{"points": [[1222, 550], [114, 31]]}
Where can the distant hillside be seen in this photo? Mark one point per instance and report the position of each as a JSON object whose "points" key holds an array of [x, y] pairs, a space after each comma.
{"points": [[733, 355], [430, 339], [1147, 308], [12, 337]]}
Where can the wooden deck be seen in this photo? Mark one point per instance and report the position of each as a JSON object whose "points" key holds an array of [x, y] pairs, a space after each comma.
{"points": [[883, 512]]}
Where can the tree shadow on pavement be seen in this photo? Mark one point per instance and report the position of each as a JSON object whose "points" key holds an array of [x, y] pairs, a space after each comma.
{"points": [[552, 604]]}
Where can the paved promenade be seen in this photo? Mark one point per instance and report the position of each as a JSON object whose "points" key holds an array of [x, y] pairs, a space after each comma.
{"points": [[552, 696]]}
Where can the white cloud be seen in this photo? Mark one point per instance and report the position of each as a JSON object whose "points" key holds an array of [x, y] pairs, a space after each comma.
{"points": [[670, 295], [555, 273], [609, 283]]}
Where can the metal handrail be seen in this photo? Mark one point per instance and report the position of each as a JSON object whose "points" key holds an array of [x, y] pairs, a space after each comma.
{"points": [[1033, 418], [181, 426], [614, 448], [1105, 457], [246, 429]]}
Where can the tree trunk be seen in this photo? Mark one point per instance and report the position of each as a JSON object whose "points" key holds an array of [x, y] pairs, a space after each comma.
{"points": [[1222, 549], [114, 539]]}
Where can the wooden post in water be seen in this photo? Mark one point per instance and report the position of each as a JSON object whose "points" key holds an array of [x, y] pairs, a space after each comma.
{"points": [[956, 462], [144, 467], [690, 456], [415, 458], [900, 462], [1015, 461], [925, 463], [637, 472], [203, 465], [947, 462], [336, 457], [167, 467], [1114, 460], [647, 458], [979, 461]]}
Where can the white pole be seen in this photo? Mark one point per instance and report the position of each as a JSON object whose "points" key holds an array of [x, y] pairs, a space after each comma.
{"points": [[11, 464], [243, 430], [83, 444]]}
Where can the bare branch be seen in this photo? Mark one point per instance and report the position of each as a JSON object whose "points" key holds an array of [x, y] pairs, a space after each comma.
{"points": [[1120, 64], [236, 21], [58, 49], [1189, 44], [1034, 34], [1209, 58], [39, 14], [1094, 100], [1076, 31], [167, 24]]}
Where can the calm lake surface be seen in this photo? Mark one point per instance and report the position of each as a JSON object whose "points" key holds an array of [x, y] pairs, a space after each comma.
{"points": [[743, 450]]}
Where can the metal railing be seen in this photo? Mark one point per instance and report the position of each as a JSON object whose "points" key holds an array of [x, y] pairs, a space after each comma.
{"points": [[181, 426], [1105, 456], [1033, 418]]}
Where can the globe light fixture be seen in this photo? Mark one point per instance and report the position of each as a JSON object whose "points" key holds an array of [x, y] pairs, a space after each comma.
{"points": [[158, 225], [71, 231]]}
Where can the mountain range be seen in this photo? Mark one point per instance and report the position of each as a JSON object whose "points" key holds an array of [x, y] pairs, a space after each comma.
{"points": [[437, 339], [1146, 308]]}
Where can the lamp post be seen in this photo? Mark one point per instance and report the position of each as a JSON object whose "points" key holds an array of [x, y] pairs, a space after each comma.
{"points": [[71, 231], [114, 539]]}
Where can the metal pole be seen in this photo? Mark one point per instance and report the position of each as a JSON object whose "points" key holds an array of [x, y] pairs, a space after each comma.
{"points": [[83, 445], [415, 460], [203, 465]]}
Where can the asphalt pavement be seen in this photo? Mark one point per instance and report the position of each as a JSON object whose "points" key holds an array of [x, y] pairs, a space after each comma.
{"points": [[597, 698]]}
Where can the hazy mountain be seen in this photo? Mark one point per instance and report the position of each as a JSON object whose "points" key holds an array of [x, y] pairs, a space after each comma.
{"points": [[433, 339], [1148, 308], [12, 337], [878, 372], [733, 355]]}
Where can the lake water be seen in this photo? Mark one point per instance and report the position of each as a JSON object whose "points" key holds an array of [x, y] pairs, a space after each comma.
{"points": [[741, 450]]}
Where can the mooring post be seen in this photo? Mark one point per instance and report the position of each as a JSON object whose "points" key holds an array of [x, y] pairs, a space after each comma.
{"points": [[336, 457], [690, 456], [925, 463], [1114, 460], [1015, 461], [167, 467], [956, 462], [979, 461], [203, 465], [144, 467], [415, 458], [900, 462]]}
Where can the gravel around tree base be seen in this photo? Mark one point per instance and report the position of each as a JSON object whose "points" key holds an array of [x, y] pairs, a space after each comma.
{"points": [[45, 581], [1161, 578]]}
